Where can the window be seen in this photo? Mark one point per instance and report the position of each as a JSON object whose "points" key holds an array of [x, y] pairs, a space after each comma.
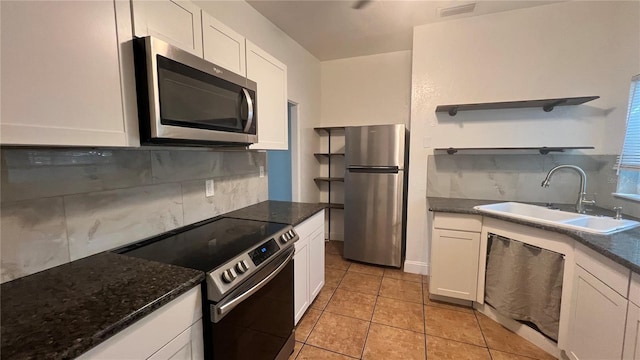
{"points": [[629, 161]]}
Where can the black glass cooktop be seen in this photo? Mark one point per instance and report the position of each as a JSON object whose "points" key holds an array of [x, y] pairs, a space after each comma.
{"points": [[208, 246]]}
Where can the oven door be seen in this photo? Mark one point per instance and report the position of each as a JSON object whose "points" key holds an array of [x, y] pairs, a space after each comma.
{"points": [[183, 97], [255, 321]]}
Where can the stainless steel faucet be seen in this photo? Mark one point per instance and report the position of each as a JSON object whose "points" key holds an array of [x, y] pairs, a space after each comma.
{"points": [[582, 201]]}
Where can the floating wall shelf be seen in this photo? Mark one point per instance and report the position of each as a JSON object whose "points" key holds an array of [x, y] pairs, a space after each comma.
{"points": [[542, 150], [329, 128], [334, 205], [546, 104], [328, 154]]}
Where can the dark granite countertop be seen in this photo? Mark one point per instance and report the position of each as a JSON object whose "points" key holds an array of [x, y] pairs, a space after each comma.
{"points": [[622, 247], [63, 312], [284, 212]]}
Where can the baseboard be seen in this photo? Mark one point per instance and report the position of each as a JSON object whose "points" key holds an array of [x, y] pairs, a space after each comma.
{"points": [[416, 267]]}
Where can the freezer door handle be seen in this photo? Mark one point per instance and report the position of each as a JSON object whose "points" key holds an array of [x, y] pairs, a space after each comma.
{"points": [[373, 169]]}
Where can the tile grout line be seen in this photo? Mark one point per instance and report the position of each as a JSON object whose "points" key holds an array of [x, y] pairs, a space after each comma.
{"points": [[484, 338], [375, 304], [323, 349]]}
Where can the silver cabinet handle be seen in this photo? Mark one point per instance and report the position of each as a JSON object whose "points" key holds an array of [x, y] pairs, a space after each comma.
{"points": [[249, 110], [222, 310]]}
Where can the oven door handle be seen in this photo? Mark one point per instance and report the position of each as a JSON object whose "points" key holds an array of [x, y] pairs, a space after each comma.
{"points": [[222, 309]]}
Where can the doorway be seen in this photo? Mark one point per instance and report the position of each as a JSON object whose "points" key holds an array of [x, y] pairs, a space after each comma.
{"points": [[279, 162]]}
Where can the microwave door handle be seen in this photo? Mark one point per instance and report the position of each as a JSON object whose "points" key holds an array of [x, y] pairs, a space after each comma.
{"points": [[249, 110]]}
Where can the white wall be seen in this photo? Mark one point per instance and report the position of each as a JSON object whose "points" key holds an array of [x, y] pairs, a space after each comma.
{"points": [[574, 48], [363, 90], [367, 90], [303, 81]]}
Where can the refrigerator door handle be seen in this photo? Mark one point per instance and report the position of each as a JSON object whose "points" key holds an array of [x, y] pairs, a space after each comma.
{"points": [[373, 169]]}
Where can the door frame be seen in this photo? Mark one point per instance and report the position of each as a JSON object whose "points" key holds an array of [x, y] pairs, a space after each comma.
{"points": [[293, 114]]}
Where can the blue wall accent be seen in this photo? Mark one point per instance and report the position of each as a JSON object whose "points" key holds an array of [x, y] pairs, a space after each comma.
{"points": [[279, 168]]}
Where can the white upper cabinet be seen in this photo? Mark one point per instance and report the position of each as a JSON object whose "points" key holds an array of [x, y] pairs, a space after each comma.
{"points": [[61, 74], [223, 46], [271, 76], [177, 22]]}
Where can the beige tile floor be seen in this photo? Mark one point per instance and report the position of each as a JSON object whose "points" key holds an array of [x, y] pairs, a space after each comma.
{"points": [[369, 312]]}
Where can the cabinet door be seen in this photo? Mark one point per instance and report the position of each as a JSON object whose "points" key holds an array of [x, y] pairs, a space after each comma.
{"points": [[189, 345], [316, 263], [454, 264], [223, 46], [271, 77], [632, 335], [177, 22], [154, 332], [60, 74], [301, 279], [597, 321]]}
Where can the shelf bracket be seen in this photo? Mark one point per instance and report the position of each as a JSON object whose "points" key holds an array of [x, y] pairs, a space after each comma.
{"points": [[549, 107], [545, 150]]}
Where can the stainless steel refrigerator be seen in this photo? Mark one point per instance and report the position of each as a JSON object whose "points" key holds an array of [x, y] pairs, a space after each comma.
{"points": [[375, 186]]}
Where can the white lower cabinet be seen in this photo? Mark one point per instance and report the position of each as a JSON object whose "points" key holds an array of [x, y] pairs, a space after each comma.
{"points": [[597, 321], [308, 263], [316, 263], [632, 334], [455, 255], [174, 331], [301, 297]]}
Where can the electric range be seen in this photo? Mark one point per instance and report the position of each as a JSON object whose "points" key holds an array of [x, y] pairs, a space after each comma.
{"points": [[249, 306]]}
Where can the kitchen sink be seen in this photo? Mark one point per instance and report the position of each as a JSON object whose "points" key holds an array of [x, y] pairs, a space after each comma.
{"points": [[602, 225], [564, 219]]}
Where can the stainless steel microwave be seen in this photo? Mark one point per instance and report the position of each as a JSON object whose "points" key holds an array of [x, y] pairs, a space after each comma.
{"points": [[186, 100]]}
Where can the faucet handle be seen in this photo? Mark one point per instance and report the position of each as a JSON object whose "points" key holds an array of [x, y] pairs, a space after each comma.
{"points": [[618, 210]]}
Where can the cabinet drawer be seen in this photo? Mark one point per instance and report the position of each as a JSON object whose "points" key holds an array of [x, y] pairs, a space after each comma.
{"points": [[461, 222], [306, 228], [606, 270]]}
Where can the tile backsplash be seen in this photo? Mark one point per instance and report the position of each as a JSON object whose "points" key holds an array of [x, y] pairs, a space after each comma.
{"points": [[59, 205], [518, 178]]}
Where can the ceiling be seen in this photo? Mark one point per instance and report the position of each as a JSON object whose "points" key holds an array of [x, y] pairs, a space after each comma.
{"points": [[332, 29]]}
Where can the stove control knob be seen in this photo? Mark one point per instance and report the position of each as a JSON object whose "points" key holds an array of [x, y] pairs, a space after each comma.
{"points": [[283, 238], [292, 234], [228, 276], [241, 267]]}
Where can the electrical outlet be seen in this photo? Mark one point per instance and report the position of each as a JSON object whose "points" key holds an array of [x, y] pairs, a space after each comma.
{"points": [[209, 190], [261, 171]]}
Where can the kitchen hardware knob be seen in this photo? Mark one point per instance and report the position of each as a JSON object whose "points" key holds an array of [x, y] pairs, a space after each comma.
{"points": [[284, 238], [228, 276], [292, 234], [241, 267]]}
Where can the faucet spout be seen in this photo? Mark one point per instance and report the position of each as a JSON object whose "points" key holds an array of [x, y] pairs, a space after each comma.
{"points": [[582, 201]]}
